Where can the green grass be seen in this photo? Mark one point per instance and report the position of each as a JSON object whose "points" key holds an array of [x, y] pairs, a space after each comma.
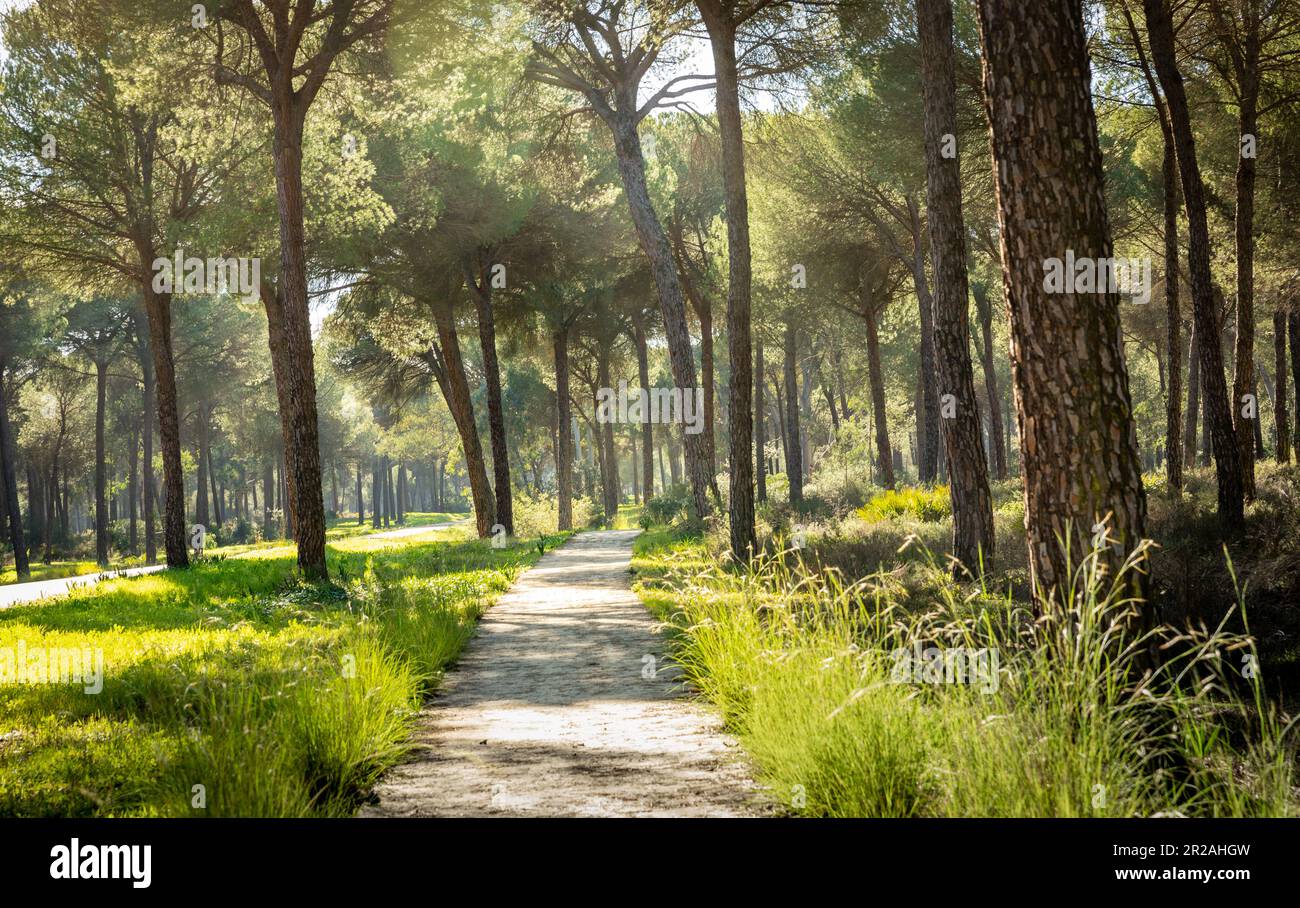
{"points": [[277, 698], [803, 666], [339, 529]]}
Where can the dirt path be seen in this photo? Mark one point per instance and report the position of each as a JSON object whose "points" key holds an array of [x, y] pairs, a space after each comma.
{"points": [[564, 705]]}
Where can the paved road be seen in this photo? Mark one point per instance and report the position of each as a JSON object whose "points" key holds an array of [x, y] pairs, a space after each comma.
{"points": [[16, 593], [564, 705]]}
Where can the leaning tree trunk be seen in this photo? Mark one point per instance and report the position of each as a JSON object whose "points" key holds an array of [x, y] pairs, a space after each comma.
{"points": [[1082, 474], [654, 243], [1280, 415], [101, 468], [455, 389], [972, 505], [293, 348], [980, 292], [563, 430], [1227, 455], [793, 450], [7, 454], [884, 450], [158, 310], [481, 290]]}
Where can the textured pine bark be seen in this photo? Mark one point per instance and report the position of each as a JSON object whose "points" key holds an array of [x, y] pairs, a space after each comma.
{"points": [[1078, 444], [158, 310], [298, 412], [654, 243], [721, 26], [972, 505], [481, 290], [1219, 427], [455, 389], [1243, 381]]}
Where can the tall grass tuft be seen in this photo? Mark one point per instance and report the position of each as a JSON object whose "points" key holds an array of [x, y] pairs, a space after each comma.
{"points": [[1066, 715]]}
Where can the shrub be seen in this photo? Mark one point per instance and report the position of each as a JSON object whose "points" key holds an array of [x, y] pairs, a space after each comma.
{"points": [[916, 502]]}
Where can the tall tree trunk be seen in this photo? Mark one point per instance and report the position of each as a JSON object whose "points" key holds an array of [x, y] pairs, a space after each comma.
{"points": [[201, 516], [721, 26], [793, 448], [1169, 179], [988, 364], [1280, 414], [101, 468], [604, 432], [22, 567], [1193, 402], [145, 357], [158, 310], [564, 429], [928, 463], [1244, 351], [1173, 340], [376, 494], [760, 425], [1078, 444], [133, 491], [1228, 467], [361, 502], [291, 345], [647, 427], [1293, 338], [884, 450], [268, 496], [972, 504], [481, 291], [654, 243]]}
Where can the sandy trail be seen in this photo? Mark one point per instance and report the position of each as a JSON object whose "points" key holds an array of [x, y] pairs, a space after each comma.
{"points": [[565, 705]]}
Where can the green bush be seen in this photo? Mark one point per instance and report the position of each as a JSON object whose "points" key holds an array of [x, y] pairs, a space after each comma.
{"points": [[915, 502]]}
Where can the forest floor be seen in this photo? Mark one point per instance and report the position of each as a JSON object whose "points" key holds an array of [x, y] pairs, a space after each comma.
{"points": [[564, 704]]}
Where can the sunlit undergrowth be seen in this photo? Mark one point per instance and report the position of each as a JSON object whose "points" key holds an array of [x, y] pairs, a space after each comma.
{"points": [[230, 689], [1034, 718]]}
